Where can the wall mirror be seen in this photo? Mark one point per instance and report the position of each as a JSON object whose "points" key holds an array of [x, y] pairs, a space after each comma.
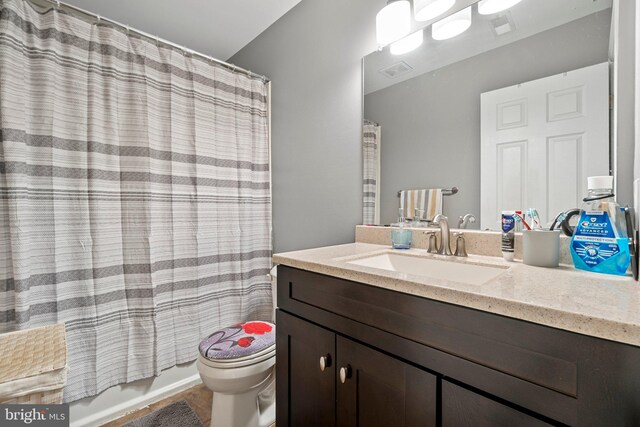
{"points": [[514, 113]]}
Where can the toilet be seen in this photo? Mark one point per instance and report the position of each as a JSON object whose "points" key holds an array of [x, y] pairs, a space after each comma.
{"points": [[237, 363]]}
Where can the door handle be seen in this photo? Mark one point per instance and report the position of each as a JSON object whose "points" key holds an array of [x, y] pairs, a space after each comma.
{"points": [[345, 373], [325, 362]]}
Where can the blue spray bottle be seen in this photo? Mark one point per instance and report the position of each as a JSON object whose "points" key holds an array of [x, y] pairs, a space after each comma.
{"points": [[600, 242]]}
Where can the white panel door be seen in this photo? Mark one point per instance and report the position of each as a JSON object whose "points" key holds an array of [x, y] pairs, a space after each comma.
{"points": [[541, 140]]}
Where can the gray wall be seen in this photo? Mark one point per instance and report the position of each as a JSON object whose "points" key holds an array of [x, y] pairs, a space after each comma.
{"points": [[433, 139], [313, 57]]}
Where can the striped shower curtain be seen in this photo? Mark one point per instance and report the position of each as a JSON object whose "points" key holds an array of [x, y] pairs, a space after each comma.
{"points": [[371, 173], [135, 202]]}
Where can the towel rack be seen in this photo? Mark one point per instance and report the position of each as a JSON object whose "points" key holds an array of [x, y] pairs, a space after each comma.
{"points": [[445, 191]]}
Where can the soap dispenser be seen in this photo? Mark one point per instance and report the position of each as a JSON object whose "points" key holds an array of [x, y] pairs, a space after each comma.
{"points": [[400, 234]]}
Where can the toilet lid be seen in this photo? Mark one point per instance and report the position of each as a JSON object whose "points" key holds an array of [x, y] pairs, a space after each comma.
{"points": [[239, 340]]}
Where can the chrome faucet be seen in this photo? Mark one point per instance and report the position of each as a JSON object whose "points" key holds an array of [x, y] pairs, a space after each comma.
{"points": [[463, 221], [443, 222]]}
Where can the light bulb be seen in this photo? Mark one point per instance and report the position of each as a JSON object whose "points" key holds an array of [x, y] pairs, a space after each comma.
{"points": [[393, 22], [452, 25]]}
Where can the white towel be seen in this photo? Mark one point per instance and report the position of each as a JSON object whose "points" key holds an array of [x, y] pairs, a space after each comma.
{"points": [[427, 200]]}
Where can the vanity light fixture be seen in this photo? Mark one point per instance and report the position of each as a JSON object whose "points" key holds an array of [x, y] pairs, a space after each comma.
{"points": [[488, 7], [407, 44], [393, 22], [425, 10], [452, 25]]}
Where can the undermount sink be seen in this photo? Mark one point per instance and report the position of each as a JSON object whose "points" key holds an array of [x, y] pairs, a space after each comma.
{"points": [[473, 274]]}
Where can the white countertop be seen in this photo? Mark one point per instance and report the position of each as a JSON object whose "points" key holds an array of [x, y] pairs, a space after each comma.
{"points": [[598, 305]]}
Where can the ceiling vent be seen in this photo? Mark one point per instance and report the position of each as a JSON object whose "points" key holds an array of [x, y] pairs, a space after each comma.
{"points": [[502, 24], [397, 69]]}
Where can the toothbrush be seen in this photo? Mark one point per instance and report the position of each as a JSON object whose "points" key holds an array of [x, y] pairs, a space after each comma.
{"points": [[534, 217], [519, 218], [558, 220]]}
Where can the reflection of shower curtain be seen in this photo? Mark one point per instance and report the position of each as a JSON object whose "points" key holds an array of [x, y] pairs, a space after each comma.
{"points": [[134, 195], [371, 173]]}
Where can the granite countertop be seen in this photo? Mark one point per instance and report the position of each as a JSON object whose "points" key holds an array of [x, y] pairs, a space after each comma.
{"points": [[597, 305]]}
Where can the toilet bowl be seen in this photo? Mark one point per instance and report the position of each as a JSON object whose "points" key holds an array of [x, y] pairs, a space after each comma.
{"points": [[237, 364]]}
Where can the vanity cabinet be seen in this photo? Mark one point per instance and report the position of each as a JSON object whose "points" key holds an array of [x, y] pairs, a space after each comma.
{"points": [[310, 388], [332, 380], [418, 361]]}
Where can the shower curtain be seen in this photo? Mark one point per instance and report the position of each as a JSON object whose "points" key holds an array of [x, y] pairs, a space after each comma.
{"points": [[371, 173], [135, 201]]}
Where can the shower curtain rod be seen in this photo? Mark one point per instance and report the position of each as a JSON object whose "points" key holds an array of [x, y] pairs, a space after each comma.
{"points": [[99, 18]]}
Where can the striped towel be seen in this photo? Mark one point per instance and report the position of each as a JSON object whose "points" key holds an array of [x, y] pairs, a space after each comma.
{"points": [[427, 200]]}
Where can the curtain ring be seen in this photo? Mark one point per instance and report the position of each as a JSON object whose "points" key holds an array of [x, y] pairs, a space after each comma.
{"points": [[57, 5]]}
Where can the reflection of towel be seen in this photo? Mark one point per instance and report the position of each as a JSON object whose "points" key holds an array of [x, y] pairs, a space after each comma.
{"points": [[427, 200]]}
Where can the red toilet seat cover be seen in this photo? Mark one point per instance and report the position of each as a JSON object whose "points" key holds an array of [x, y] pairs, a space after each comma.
{"points": [[239, 340]]}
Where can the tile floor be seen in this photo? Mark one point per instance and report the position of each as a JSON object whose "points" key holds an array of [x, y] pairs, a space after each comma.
{"points": [[198, 397]]}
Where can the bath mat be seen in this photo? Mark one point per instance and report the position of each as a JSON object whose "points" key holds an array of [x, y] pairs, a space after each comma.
{"points": [[176, 414]]}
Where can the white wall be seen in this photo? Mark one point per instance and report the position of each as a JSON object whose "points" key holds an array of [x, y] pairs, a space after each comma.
{"points": [[624, 12], [636, 174], [313, 57]]}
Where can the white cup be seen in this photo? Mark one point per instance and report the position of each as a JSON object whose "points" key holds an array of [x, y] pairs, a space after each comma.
{"points": [[541, 248]]}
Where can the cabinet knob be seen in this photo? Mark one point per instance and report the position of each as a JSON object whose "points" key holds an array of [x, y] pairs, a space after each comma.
{"points": [[325, 362], [345, 372]]}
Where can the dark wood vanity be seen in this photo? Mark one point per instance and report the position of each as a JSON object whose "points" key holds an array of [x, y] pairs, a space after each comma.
{"points": [[351, 354]]}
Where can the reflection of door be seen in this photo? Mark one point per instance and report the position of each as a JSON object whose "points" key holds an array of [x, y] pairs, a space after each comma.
{"points": [[540, 142]]}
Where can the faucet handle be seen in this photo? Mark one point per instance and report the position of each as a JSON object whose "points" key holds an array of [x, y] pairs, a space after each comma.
{"points": [[433, 246], [461, 250]]}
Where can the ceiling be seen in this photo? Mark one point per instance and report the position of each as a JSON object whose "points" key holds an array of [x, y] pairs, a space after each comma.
{"points": [[528, 18], [218, 28]]}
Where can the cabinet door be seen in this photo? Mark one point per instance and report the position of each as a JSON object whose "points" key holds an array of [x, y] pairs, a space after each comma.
{"points": [[462, 407], [375, 389], [305, 392]]}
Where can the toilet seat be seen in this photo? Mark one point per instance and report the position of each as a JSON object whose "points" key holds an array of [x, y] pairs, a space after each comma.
{"points": [[239, 345], [239, 362]]}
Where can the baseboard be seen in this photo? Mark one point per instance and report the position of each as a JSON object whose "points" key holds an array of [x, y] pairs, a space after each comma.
{"points": [[144, 399]]}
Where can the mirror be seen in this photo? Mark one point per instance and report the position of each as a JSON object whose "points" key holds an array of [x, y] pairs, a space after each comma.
{"points": [[513, 113]]}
